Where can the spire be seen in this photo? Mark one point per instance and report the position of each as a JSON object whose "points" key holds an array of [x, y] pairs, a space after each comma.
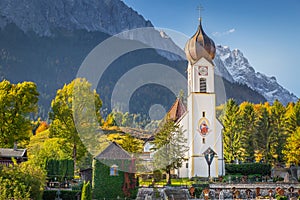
{"points": [[200, 45], [200, 8]]}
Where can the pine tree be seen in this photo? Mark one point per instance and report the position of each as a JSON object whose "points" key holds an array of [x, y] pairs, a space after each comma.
{"points": [[170, 148], [297, 112], [248, 130], [262, 139], [279, 134], [232, 131], [292, 148], [291, 119]]}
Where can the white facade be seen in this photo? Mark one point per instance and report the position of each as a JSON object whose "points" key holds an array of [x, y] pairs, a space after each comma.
{"points": [[203, 130]]}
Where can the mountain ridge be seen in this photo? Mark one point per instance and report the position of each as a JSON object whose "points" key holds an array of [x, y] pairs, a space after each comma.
{"points": [[236, 67], [47, 41]]}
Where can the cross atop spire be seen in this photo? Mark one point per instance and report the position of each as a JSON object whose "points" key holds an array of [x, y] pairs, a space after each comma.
{"points": [[200, 9]]}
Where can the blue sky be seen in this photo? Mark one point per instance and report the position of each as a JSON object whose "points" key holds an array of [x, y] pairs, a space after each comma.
{"points": [[266, 31]]}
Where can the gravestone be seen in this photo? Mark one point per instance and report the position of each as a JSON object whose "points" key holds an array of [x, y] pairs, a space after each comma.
{"points": [[294, 176]]}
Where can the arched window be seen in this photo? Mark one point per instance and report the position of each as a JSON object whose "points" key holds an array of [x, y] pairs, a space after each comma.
{"points": [[202, 84], [114, 170]]}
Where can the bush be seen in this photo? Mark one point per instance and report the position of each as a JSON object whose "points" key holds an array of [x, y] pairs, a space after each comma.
{"points": [[157, 175], [248, 168], [21, 181]]}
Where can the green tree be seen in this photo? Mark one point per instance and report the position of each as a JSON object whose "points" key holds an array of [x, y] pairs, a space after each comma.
{"points": [[118, 117], [21, 181], [42, 148], [279, 134], [170, 148], [86, 191], [17, 102], [232, 131], [292, 148], [127, 142], [76, 107], [297, 112], [110, 121], [248, 130], [127, 120], [132, 144], [262, 142]]}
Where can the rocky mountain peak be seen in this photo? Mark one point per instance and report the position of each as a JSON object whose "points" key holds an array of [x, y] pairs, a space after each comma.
{"points": [[235, 67], [43, 16]]}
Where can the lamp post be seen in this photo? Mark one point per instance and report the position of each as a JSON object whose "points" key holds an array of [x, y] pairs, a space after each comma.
{"points": [[209, 155]]}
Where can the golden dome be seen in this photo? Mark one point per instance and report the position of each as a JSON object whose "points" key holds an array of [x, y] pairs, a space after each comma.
{"points": [[200, 45]]}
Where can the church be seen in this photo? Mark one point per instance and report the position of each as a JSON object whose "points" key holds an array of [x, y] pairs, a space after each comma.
{"points": [[198, 119]]}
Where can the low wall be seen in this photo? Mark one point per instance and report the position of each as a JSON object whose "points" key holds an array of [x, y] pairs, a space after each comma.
{"points": [[265, 189], [268, 186]]}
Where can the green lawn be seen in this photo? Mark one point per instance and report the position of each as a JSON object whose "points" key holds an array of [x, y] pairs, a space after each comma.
{"points": [[175, 182]]}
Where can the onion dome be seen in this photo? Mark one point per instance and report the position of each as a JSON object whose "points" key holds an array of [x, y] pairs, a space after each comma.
{"points": [[200, 45]]}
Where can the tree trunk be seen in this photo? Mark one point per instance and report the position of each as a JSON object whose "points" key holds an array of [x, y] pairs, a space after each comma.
{"points": [[74, 155], [169, 177]]}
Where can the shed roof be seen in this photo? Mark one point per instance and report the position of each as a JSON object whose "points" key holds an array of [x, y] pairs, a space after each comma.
{"points": [[114, 151], [8, 153]]}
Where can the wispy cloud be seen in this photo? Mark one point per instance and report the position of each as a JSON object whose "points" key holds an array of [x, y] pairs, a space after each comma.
{"points": [[218, 34]]}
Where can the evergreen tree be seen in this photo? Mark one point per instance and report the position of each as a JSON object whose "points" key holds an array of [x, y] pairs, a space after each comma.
{"points": [[262, 140], [279, 134], [231, 132], [297, 112], [292, 148], [248, 130], [170, 149], [291, 119]]}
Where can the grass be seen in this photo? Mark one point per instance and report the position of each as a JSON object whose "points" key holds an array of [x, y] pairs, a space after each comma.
{"points": [[175, 182]]}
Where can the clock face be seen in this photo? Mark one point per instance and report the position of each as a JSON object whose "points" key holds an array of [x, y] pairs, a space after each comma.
{"points": [[203, 70]]}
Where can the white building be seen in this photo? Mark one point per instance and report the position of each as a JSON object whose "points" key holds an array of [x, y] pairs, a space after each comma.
{"points": [[203, 130]]}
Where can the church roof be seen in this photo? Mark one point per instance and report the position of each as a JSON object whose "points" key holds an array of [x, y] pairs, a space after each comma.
{"points": [[177, 110], [114, 151], [200, 45]]}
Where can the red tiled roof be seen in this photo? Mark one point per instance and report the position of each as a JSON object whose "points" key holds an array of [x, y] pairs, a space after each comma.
{"points": [[177, 110]]}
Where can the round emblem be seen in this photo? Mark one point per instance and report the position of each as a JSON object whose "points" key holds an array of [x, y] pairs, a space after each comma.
{"points": [[203, 126]]}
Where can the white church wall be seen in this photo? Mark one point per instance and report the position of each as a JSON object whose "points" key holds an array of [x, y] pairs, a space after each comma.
{"points": [[203, 106], [183, 171]]}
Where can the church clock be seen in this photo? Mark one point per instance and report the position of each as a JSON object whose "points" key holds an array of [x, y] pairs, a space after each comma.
{"points": [[203, 70]]}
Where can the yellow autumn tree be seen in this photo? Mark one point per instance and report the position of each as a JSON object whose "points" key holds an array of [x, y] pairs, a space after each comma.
{"points": [[292, 148]]}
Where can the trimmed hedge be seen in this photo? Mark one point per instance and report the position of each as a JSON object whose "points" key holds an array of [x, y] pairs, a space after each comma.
{"points": [[60, 169], [248, 168], [64, 194]]}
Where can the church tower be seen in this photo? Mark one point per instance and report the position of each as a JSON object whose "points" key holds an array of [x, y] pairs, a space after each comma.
{"points": [[203, 130]]}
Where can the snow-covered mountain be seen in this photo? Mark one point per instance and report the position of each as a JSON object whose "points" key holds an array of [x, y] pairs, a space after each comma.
{"points": [[232, 65], [43, 17]]}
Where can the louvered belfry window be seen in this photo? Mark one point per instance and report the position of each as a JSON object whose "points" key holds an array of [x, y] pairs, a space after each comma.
{"points": [[203, 85]]}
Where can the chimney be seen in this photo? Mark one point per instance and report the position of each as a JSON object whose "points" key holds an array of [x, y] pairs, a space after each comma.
{"points": [[15, 146]]}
